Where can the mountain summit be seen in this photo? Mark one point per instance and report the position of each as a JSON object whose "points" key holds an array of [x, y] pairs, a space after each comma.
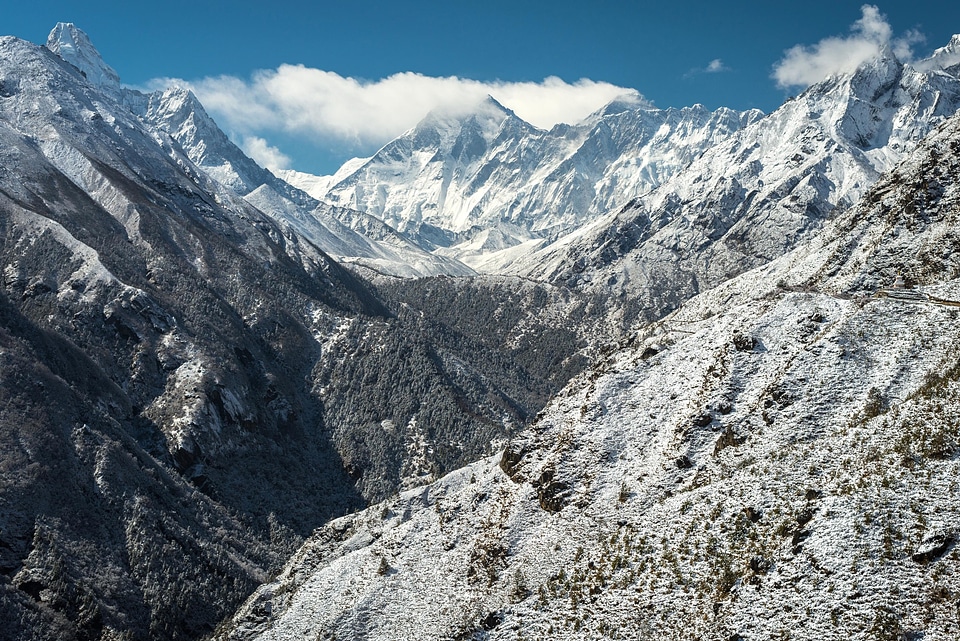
{"points": [[74, 46], [943, 58]]}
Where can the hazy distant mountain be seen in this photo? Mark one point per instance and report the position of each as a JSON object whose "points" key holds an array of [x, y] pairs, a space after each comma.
{"points": [[704, 195]]}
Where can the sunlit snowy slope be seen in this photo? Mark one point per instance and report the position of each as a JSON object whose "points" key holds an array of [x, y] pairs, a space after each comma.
{"points": [[775, 459]]}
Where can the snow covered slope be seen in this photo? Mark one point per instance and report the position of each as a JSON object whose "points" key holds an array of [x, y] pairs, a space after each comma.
{"points": [[775, 459], [752, 197], [149, 324], [490, 172]]}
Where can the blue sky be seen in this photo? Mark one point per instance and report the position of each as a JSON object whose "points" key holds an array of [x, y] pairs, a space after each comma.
{"points": [[675, 53]]}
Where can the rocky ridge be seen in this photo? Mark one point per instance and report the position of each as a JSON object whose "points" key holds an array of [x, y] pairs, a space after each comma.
{"points": [[756, 195]]}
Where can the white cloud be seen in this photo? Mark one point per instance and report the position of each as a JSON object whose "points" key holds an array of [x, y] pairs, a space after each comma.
{"points": [[716, 66], [553, 101], [903, 46], [265, 155], [871, 34], [333, 109]]}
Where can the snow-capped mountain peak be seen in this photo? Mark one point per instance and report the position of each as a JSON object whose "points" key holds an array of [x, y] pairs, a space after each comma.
{"points": [[489, 107], [626, 101], [943, 58], [462, 131], [75, 47], [470, 172], [178, 112]]}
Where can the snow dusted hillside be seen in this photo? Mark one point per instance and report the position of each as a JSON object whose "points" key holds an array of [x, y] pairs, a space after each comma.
{"points": [[456, 176], [146, 317], [188, 385], [754, 196], [189, 382], [776, 459]]}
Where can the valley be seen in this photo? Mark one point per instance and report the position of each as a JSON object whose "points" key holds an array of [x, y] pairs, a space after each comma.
{"points": [[661, 374]]}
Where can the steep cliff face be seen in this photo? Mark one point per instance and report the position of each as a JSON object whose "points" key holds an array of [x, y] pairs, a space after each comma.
{"points": [[776, 458]]}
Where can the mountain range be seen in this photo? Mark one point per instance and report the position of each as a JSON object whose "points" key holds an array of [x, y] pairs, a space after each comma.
{"points": [[775, 459], [490, 181], [655, 205], [652, 375]]}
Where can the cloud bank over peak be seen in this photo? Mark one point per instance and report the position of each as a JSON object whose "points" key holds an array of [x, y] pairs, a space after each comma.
{"points": [[329, 108], [802, 65], [264, 153]]}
